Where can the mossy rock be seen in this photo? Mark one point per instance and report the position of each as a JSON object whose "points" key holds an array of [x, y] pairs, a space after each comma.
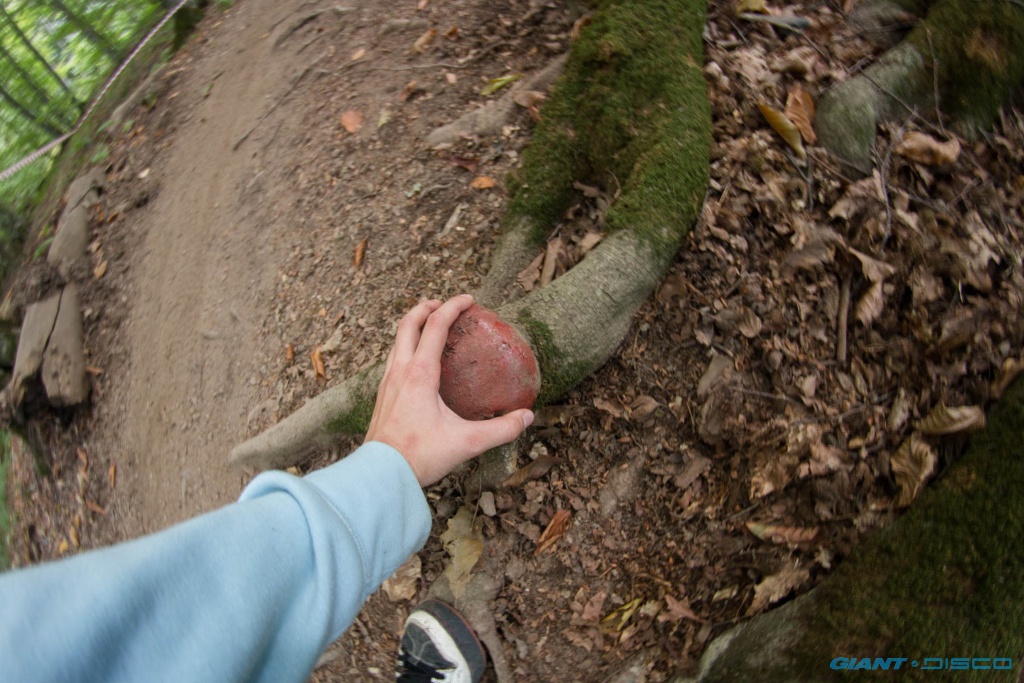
{"points": [[946, 580]]}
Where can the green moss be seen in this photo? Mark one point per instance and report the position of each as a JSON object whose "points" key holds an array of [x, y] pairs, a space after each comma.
{"points": [[977, 51], [631, 112], [947, 579], [559, 371], [355, 421]]}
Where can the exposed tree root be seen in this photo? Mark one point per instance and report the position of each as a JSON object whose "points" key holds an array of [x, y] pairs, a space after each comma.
{"points": [[632, 110], [968, 53], [489, 119]]}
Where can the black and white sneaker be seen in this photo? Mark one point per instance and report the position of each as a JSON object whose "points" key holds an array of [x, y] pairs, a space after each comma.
{"points": [[439, 645]]}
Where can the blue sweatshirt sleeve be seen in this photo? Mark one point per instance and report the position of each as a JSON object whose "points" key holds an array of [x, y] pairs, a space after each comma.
{"points": [[254, 591]]}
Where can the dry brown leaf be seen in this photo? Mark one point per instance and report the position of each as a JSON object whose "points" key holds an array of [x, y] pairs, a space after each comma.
{"points": [[784, 127], [589, 241], [800, 110], [595, 605], [925, 149], [554, 530], [318, 363], [528, 98], [790, 535], [777, 586], [534, 470], [612, 406], [464, 544], [749, 324], [528, 276], [870, 305], [100, 270], [1012, 367], [404, 583], [358, 54], [408, 90], [424, 40], [289, 353], [112, 475], [873, 269], [678, 610], [360, 253], [773, 472], [555, 251], [946, 421], [912, 464], [422, 5], [482, 182], [643, 406], [352, 120]]}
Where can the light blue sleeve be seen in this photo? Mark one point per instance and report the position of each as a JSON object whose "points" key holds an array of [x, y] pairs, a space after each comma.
{"points": [[254, 591]]}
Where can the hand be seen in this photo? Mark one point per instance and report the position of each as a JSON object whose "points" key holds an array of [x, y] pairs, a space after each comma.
{"points": [[409, 414]]}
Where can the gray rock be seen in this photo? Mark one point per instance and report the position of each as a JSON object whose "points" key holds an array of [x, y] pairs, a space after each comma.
{"points": [[71, 240], [84, 189], [64, 375], [35, 333]]}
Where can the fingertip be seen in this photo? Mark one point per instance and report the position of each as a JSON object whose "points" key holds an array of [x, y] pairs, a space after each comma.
{"points": [[528, 418]]}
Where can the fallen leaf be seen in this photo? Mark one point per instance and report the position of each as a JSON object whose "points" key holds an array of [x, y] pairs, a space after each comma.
{"points": [[534, 470], [800, 110], [289, 353], [464, 545], [408, 90], [773, 472], [790, 535], [358, 54], [589, 241], [750, 6], [555, 250], [678, 610], [100, 270], [62, 548], [870, 305], [530, 275], [617, 620], [482, 182], [468, 163], [384, 118], [528, 98], [1012, 367], [945, 421], [925, 149], [93, 507], [352, 120], [643, 406], [777, 586], [452, 33], [424, 40], [112, 474], [873, 269], [318, 363], [595, 605], [554, 530], [749, 324], [404, 583], [611, 406], [784, 127], [422, 5], [912, 464], [360, 253], [496, 84]]}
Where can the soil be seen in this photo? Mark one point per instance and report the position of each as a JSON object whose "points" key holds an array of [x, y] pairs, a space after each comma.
{"points": [[275, 208]]}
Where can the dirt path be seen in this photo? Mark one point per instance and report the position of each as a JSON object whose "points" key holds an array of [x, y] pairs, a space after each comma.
{"points": [[203, 279]]}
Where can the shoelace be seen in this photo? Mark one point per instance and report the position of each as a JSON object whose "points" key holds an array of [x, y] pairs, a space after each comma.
{"points": [[416, 671]]}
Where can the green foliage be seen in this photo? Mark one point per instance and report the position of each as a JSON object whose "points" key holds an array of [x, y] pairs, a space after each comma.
{"points": [[631, 112], [101, 154]]}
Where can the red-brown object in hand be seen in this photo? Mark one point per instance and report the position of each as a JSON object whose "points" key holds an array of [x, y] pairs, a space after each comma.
{"points": [[487, 368]]}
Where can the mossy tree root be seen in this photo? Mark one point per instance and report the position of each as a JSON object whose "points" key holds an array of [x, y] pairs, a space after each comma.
{"points": [[972, 48], [632, 113]]}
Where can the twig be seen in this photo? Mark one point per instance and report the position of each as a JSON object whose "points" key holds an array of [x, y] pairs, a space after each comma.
{"points": [[844, 314], [762, 394], [263, 117], [935, 83]]}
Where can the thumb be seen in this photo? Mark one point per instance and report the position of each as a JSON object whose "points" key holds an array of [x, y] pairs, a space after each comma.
{"points": [[504, 429]]}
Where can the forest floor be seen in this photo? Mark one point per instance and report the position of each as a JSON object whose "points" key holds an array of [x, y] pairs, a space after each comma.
{"points": [[276, 202]]}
